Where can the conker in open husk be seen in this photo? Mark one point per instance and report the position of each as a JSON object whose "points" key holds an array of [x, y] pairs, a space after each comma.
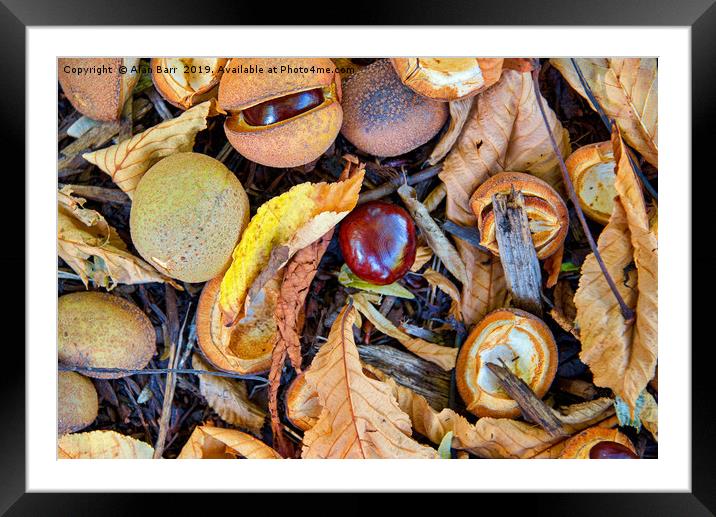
{"points": [[286, 118], [378, 242]]}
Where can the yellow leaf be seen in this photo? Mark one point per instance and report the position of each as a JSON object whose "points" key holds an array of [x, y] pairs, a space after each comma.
{"points": [[360, 417], [294, 219], [94, 250], [436, 279], [443, 356], [627, 89], [102, 445], [127, 161], [229, 398], [434, 236], [218, 443]]}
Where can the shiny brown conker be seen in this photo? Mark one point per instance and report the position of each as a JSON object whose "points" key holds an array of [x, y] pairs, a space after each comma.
{"points": [[283, 108], [607, 450], [378, 242]]}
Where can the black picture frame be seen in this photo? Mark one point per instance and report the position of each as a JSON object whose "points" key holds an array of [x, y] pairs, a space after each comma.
{"points": [[17, 15]]}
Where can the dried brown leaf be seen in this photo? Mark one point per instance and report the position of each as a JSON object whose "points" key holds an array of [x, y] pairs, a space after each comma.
{"points": [[443, 356], [621, 355], [627, 89], [504, 133], [102, 445], [229, 398], [127, 161], [218, 443], [486, 289], [94, 250], [360, 417], [434, 236], [459, 111], [422, 255]]}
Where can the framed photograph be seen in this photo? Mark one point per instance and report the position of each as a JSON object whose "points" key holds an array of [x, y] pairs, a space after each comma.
{"points": [[319, 251]]}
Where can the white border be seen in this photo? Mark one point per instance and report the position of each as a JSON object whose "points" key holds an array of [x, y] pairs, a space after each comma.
{"points": [[670, 472]]}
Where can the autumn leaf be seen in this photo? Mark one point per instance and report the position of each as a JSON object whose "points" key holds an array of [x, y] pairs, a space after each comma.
{"points": [[436, 279], [434, 236], [218, 443], [360, 417], [443, 356], [621, 355], [564, 312], [102, 445], [127, 161], [94, 250], [486, 289], [294, 219], [422, 255], [505, 131], [459, 111], [229, 398], [627, 90]]}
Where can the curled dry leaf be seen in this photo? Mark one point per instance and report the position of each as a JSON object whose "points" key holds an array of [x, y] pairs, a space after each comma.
{"points": [[435, 197], [127, 161], [443, 356], [434, 236], [627, 90], [650, 415], [564, 312], [360, 417], [504, 131], [459, 111], [621, 355], [218, 443], [294, 219], [422, 255], [102, 445], [436, 279], [94, 250], [229, 398]]}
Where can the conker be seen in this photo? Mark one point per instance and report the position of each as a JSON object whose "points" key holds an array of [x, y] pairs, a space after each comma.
{"points": [[607, 450], [378, 242], [285, 118]]}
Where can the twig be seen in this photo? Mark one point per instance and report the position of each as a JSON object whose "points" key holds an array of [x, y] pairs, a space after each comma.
{"points": [[517, 251], [159, 371], [533, 409], [627, 313], [169, 388], [392, 185], [609, 123]]}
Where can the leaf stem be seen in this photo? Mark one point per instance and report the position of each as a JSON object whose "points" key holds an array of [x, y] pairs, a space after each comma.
{"points": [[627, 312]]}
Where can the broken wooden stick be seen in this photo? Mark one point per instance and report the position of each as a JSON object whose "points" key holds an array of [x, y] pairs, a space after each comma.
{"points": [[517, 252], [533, 409]]}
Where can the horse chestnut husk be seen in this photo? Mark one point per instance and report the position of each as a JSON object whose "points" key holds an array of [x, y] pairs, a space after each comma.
{"points": [[607, 450], [378, 242]]}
